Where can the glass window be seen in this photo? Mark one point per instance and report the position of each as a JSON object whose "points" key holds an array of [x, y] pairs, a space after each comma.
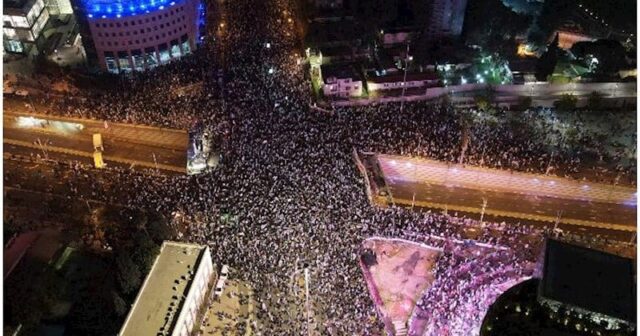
{"points": [[150, 58], [125, 65], [175, 49], [13, 46], [164, 56], [186, 48], [10, 33], [20, 21], [35, 11], [138, 62], [112, 66], [42, 21]]}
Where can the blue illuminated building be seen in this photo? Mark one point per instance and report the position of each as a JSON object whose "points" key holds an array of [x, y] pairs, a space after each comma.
{"points": [[121, 8], [135, 35]]}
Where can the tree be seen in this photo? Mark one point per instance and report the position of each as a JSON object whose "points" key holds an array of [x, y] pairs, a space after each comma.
{"points": [[547, 62], [158, 228], [128, 273], [145, 251], [482, 102], [594, 101], [610, 55], [92, 315], [31, 291], [119, 305], [566, 103], [492, 25]]}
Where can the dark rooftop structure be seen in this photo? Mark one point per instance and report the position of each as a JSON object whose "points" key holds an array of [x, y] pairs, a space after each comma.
{"points": [[17, 7], [339, 71], [332, 33], [588, 279]]}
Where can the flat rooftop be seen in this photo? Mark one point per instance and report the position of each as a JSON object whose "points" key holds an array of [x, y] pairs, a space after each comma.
{"points": [[590, 279], [158, 303]]}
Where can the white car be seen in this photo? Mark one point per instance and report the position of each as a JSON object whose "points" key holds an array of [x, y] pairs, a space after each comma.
{"points": [[21, 93]]}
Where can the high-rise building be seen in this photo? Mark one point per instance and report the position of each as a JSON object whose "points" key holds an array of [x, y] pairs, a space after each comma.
{"points": [[126, 35], [23, 23], [447, 17]]}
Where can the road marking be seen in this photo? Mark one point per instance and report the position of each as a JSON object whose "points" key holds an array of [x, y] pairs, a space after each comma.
{"points": [[90, 155]]}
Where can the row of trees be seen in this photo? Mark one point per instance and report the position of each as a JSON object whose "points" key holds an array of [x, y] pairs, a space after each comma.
{"points": [[100, 285], [136, 237]]}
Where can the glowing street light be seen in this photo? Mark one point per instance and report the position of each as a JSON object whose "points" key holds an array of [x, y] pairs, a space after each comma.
{"points": [[268, 45], [270, 71], [462, 80]]}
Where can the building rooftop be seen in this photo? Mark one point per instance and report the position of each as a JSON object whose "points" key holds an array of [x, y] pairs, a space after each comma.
{"points": [[339, 71], [17, 7], [399, 77], [589, 279], [160, 299], [332, 33]]}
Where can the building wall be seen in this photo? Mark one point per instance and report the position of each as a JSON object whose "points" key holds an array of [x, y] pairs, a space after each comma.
{"points": [[22, 28], [398, 85], [389, 39], [447, 18], [127, 42], [344, 87], [196, 297]]}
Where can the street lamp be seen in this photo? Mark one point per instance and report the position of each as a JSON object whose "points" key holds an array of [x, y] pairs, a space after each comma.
{"points": [[404, 82], [484, 207]]}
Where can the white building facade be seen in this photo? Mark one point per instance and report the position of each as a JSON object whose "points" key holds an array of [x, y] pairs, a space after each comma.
{"points": [[175, 293]]}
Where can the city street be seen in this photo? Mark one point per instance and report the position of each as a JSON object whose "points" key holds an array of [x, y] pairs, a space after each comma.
{"points": [[515, 195], [57, 137]]}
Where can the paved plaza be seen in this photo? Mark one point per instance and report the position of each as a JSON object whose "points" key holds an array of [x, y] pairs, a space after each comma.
{"points": [[402, 273]]}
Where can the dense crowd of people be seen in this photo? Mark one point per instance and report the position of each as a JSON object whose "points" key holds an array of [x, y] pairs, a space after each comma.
{"points": [[287, 194]]}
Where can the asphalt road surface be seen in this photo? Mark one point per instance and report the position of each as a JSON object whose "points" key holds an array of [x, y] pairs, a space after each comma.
{"points": [[598, 212], [64, 138], [527, 197]]}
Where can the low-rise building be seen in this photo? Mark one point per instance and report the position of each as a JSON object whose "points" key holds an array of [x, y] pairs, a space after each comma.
{"points": [[396, 35], [175, 293], [397, 80], [341, 80]]}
